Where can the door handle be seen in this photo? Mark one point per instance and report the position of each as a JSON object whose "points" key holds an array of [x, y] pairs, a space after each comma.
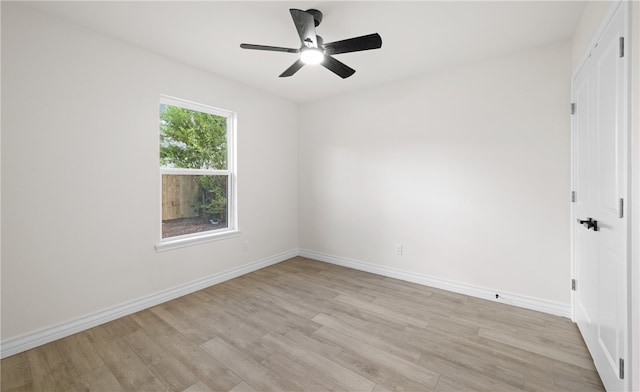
{"points": [[589, 223]]}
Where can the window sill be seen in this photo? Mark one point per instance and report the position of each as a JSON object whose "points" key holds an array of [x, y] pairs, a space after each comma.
{"points": [[195, 239]]}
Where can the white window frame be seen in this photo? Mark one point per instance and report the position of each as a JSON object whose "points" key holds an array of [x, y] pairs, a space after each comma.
{"points": [[232, 219]]}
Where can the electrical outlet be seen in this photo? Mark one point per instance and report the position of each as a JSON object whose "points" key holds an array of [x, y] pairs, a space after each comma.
{"points": [[245, 245], [398, 250]]}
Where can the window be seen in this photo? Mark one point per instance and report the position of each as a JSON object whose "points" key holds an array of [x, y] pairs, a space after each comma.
{"points": [[197, 170]]}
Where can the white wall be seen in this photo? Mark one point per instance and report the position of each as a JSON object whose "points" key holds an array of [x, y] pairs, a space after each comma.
{"points": [[80, 179], [467, 168], [591, 18]]}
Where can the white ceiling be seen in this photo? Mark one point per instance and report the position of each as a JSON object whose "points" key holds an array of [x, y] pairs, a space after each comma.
{"points": [[417, 36]]}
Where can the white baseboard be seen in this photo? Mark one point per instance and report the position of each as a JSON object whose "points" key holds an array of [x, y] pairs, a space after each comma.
{"points": [[523, 301], [37, 338]]}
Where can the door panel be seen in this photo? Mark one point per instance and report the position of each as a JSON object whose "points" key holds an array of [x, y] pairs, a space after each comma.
{"points": [[585, 271], [607, 73], [609, 91], [600, 172]]}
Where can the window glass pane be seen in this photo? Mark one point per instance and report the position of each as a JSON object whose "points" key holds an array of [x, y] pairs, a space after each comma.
{"points": [[193, 204], [192, 140]]}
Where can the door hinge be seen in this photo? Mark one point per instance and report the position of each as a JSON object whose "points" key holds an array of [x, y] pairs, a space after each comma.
{"points": [[621, 208], [573, 108], [621, 369], [573, 285], [621, 46], [573, 196]]}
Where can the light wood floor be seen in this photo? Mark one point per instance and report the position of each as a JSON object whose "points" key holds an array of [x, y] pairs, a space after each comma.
{"points": [[302, 325]]}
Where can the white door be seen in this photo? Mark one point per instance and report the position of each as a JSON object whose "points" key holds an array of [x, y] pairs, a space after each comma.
{"points": [[600, 173]]}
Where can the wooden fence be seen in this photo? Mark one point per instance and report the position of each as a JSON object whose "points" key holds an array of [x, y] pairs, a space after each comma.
{"points": [[179, 193]]}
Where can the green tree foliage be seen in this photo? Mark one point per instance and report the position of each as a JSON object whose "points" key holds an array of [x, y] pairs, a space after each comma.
{"points": [[212, 202], [196, 140], [192, 140]]}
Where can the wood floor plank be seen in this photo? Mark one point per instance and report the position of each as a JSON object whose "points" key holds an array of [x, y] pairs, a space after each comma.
{"points": [[381, 310], [80, 355], [571, 377], [501, 362], [397, 291], [24, 388], [422, 308], [467, 357], [162, 363], [15, 372], [380, 388], [533, 345], [589, 376], [313, 344], [280, 319], [338, 374], [243, 387], [237, 332], [172, 315], [452, 327], [303, 378], [252, 372], [118, 328], [472, 383], [308, 286], [49, 370], [384, 377], [383, 339], [346, 310], [304, 325], [127, 368], [319, 277], [208, 368], [99, 379], [151, 324], [198, 387], [381, 358], [289, 303]]}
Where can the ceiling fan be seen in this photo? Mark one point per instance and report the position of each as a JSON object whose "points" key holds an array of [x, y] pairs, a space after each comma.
{"points": [[314, 51]]}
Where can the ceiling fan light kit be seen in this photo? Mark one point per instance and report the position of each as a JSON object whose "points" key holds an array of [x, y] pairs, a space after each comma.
{"points": [[311, 56], [314, 51]]}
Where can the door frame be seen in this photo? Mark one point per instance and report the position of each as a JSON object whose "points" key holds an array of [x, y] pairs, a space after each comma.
{"points": [[630, 355]]}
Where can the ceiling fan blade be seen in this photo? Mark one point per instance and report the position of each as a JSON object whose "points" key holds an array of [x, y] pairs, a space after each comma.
{"points": [[295, 67], [365, 42], [337, 67], [305, 26], [269, 48]]}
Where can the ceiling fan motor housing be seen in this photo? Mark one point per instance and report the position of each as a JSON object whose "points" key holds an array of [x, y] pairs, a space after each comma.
{"points": [[317, 16]]}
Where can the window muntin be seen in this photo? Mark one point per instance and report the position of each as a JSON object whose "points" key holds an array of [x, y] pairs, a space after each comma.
{"points": [[196, 167]]}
